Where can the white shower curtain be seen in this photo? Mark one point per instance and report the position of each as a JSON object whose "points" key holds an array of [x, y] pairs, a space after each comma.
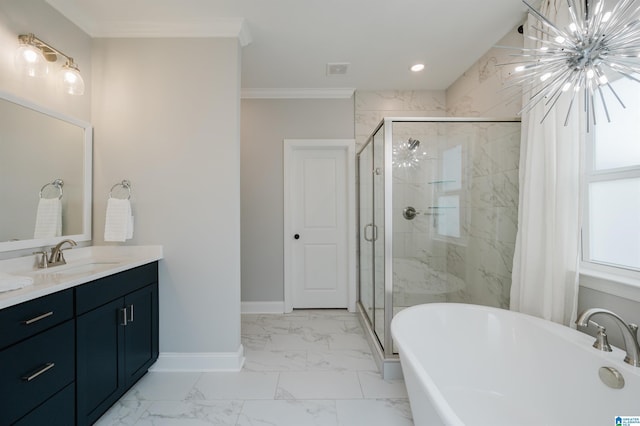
{"points": [[547, 251]]}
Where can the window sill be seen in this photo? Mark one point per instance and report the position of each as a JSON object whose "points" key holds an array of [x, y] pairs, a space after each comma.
{"points": [[624, 286]]}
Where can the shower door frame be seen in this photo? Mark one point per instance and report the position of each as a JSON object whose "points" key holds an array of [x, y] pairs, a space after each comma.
{"points": [[387, 125]]}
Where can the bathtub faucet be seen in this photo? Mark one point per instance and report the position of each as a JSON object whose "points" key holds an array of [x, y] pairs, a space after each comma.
{"points": [[629, 333]]}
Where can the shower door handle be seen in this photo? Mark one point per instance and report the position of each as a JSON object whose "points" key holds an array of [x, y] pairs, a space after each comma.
{"points": [[365, 232], [374, 232]]}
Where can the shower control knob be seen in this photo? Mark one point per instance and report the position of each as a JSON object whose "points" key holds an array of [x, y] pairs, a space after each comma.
{"points": [[297, 236]]}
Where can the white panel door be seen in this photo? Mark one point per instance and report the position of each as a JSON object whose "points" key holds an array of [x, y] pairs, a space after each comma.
{"points": [[319, 225]]}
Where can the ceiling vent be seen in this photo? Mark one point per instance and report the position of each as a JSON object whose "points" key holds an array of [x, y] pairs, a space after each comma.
{"points": [[337, 68]]}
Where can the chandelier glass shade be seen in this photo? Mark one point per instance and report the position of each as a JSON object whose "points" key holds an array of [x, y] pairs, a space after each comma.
{"points": [[601, 42]]}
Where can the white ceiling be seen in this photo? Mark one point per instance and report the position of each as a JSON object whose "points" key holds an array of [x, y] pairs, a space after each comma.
{"points": [[290, 42]]}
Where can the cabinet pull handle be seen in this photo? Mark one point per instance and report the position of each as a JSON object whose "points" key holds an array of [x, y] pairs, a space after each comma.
{"points": [[123, 311], [38, 318], [131, 313], [48, 366]]}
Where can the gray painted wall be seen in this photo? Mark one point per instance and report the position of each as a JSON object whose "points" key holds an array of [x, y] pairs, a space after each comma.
{"points": [[172, 127], [628, 309], [265, 123]]}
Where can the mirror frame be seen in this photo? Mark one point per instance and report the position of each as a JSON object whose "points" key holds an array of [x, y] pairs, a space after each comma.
{"points": [[6, 246]]}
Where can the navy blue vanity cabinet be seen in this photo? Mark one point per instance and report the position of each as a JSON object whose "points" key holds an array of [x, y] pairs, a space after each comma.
{"points": [[117, 337], [37, 361]]}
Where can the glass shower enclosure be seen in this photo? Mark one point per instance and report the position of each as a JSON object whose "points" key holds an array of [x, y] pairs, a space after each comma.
{"points": [[437, 218]]}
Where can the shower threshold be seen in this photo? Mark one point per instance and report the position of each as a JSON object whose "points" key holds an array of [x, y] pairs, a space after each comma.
{"points": [[389, 368]]}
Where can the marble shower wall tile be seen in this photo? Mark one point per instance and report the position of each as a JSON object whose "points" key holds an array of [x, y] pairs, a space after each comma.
{"points": [[432, 101], [489, 201], [479, 91], [372, 106], [482, 258]]}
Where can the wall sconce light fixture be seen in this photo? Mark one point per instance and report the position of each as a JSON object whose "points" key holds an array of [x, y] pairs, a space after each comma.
{"points": [[33, 57]]}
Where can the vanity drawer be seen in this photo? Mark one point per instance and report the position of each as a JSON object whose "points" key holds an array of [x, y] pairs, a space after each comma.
{"points": [[34, 370], [59, 410], [96, 293], [28, 318]]}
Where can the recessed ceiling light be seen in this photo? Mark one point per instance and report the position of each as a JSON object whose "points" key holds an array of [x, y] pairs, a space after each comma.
{"points": [[417, 67]]}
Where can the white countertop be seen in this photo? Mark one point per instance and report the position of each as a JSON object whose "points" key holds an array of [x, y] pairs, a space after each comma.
{"points": [[83, 265]]}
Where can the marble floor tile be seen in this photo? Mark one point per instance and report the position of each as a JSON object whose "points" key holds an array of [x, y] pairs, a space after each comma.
{"points": [[297, 315], [261, 360], [373, 386], [191, 413], [353, 326], [348, 341], [123, 413], [298, 342], [335, 314], [242, 385], [324, 326], [374, 412], [311, 367], [266, 325], [318, 385], [255, 341], [155, 386], [342, 360], [288, 413]]}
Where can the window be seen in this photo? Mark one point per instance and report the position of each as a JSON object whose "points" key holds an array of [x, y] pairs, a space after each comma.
{"points": [[611, 231], [448, 191]]}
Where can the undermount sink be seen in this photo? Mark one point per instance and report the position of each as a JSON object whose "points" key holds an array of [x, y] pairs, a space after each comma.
{"points": [[91, 266]]}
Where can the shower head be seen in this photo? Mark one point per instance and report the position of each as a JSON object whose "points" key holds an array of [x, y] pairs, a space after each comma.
{"points": [[412, 144]]}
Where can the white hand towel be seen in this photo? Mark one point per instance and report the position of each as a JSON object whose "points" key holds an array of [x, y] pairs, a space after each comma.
{"points": [[119, 221], [13, 282], [48, 218]]}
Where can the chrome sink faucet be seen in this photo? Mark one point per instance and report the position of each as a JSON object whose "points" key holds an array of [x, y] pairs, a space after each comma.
{"points": [[629, 333], [56, 257]]}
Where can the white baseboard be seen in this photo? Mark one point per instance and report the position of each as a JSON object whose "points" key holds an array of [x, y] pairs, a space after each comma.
{"points": [[170, 362], [262, 307]]}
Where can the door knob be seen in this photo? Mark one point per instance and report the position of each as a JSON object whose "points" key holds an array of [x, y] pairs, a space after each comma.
{"points": [[297, 236]]}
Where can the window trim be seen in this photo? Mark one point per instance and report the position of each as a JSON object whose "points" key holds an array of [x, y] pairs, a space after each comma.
{"points": [[603, 276], [616, 281]]}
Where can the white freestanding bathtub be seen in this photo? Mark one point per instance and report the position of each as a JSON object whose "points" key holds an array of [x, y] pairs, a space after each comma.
{"points": [[475, 365]]}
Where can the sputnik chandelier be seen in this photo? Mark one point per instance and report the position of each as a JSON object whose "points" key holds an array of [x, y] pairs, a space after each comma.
{"points": [[600, 43]]}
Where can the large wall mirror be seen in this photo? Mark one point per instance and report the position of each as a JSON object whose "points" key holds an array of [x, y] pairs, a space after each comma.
{"points": [[38, 147]]}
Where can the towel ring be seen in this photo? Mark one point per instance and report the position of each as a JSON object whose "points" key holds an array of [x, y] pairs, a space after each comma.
{"points": [[58, 184], [125, 184]]}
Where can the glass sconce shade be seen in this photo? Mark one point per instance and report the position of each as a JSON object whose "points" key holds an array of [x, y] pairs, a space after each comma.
{"points": [[30, 61], [71, 80]]}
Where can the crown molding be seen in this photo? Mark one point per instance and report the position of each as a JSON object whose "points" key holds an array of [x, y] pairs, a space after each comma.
{"points": [[216, 27], [335, 93], [223, 27]]}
